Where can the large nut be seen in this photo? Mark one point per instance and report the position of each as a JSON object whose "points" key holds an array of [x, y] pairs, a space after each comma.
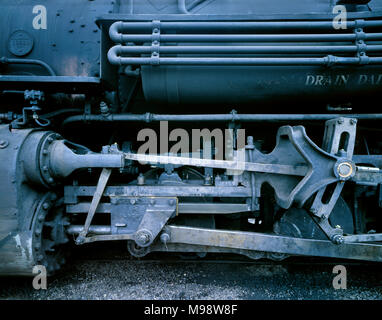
{"points": [[143, 238]]}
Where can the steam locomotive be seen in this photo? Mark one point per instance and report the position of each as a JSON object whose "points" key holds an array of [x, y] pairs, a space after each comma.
{"points": [[228, 126]]}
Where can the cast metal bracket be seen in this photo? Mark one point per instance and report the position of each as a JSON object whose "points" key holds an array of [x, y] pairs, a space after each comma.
{"points": [[339, 139]]}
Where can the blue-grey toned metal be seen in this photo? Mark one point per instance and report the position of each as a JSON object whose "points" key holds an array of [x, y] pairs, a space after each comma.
{"points": [[265, 51], [149, 117], [136, 61], [272, 243], [28, 61]]}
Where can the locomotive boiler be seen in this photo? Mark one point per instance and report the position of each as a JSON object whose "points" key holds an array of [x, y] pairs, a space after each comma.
{"points": [[249, 127]]}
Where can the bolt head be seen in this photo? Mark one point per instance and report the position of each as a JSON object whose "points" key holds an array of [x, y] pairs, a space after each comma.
{"points": [[338, 239], [143, 238]]}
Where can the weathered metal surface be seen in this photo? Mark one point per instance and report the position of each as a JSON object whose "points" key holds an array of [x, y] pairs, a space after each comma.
{"points": [[72, 192], [183, 208], [16, 254], [273, 243], [200, 52], [102, 182], [184, 78]]}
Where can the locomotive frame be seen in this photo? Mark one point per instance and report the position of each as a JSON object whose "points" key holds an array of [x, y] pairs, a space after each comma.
{"points": [[263, 199]]}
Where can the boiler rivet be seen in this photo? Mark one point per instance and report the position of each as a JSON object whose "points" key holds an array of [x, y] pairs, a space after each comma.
{"points": [[3, 144]]}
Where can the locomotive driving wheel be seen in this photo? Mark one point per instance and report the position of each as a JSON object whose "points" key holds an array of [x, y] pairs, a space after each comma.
{"points": [[48, 233]]}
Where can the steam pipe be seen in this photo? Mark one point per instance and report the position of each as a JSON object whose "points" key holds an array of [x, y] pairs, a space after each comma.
{"points": [[120, 50], [117, 28], [351, 37], [325, 61], [148, 117], [28, 61]]}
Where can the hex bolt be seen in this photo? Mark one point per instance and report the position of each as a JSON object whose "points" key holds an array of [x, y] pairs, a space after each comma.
{"points": [[171, 202], [143, 238], [104, 108], [338, 239], [152, 202], [41, 218], [46, 206], [133, 201]]}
